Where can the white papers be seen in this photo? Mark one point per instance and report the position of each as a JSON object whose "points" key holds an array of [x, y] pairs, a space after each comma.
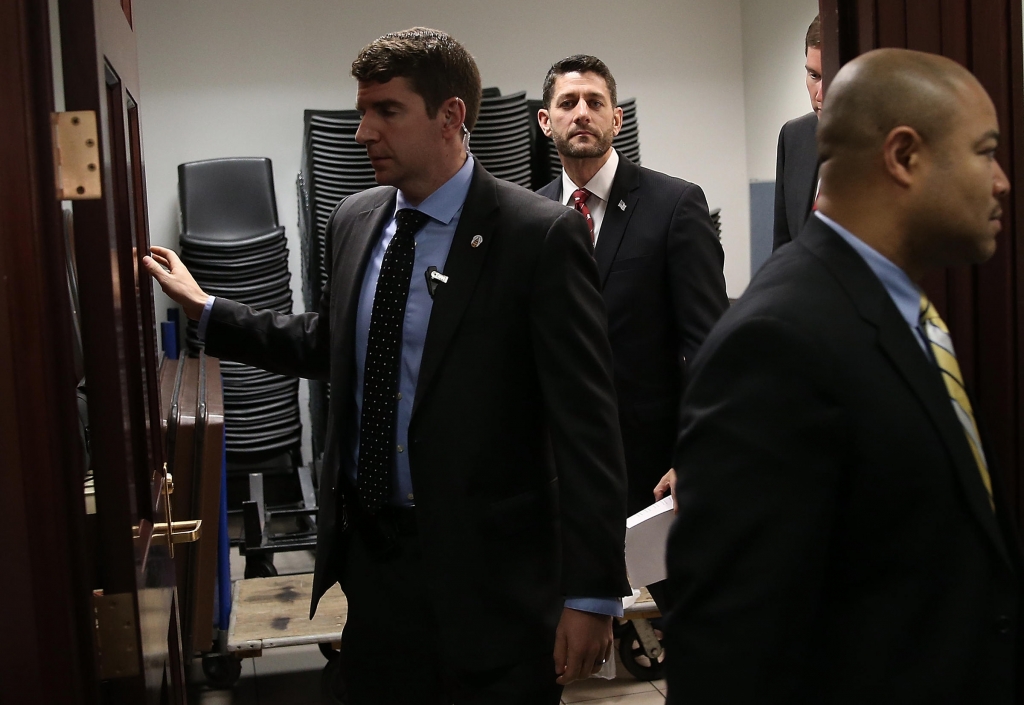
{"points": [[646, 536], [662, 505]]}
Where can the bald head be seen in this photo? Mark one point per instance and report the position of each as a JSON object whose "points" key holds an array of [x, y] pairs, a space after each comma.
{"points": [[885, 89], [908, 143]]}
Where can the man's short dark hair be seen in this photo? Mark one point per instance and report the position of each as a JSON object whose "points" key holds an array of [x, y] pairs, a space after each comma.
{"points": [[436, 66], [579, 63], [812, 40]]}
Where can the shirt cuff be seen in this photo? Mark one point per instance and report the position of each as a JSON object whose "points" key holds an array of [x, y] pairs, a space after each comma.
{"points": [[611, 606], [204, 319]]}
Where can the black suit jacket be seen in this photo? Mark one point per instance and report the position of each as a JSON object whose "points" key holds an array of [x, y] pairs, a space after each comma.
{"points": [[835, 542], [514, 448], [660, 264], [796, 177]]}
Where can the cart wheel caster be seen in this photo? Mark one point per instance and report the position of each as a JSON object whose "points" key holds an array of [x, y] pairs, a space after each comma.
{"points": [[636, 661], [260, 568], [221, 670], [331, 687], [330, 653]]}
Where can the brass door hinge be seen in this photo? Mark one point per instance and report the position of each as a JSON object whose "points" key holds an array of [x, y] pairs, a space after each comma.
{"points": [[117, 645], [76, 155]]}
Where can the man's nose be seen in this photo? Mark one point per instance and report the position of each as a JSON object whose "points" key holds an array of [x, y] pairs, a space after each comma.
{"points": [[364, 134], [818, 94], [1000, 185], [581, 110]]}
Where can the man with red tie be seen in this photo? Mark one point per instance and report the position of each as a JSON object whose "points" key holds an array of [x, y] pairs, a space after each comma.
{"points": [[658, 256]]}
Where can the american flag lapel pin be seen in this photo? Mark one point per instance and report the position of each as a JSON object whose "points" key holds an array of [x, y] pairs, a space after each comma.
{"points": [[622, 205]]}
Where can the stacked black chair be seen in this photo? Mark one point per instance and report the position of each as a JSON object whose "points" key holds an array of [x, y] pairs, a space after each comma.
{"points": [[501, 139], [232, 243], [334, 166], [627, 142], [628, 139]]}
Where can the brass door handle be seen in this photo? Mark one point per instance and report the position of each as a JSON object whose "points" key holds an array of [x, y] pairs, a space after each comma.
{"points": [[181, 531]]}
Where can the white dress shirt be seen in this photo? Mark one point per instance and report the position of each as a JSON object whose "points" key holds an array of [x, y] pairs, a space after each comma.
{"points": [[600, 188]]}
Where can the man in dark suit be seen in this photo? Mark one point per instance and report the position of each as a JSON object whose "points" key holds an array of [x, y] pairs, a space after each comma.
{"points": [[657, 253], [472, 503], [796, 171], [843, 535]]}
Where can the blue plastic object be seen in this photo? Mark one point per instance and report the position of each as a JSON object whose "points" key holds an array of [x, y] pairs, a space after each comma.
{"points": [[223, 552], [169, 338]]}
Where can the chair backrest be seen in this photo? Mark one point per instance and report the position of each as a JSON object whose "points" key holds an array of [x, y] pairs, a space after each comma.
{"points": [[227, 199]]}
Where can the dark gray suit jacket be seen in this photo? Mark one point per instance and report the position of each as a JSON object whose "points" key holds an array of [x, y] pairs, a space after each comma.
{"points": [[835, 542], [796, 177], [660, 264], [514, 447]]}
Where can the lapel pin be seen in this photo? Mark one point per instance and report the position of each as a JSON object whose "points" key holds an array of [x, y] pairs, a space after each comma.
{"points": [[476, 241], [622, 205]]}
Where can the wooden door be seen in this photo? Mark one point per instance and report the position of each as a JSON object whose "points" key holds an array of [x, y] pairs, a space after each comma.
{"points": [[983, 305], [135, 577], [46, 653]]}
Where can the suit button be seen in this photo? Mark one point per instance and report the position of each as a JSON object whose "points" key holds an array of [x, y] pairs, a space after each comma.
{"points": [[1004, 624]]}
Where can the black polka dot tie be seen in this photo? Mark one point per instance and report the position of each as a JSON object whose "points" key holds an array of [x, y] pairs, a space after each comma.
{"points": [[579, 202], [383, 356]]}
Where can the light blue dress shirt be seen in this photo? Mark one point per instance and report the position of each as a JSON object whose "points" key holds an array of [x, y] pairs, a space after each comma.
{"points": [[903, 292]]}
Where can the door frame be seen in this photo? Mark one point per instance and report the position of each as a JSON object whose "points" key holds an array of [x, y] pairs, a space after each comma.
{"points": [[47, 609]]}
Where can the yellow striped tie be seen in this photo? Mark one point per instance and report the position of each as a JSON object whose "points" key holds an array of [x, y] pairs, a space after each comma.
{"points": [[942, 347]]}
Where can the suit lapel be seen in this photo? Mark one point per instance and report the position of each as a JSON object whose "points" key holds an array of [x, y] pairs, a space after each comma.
{"points": [[360, 235], [553, 190], [356, 239], [907, 356], [625, 187], [899, 345], [805, 164], [462, 267]]}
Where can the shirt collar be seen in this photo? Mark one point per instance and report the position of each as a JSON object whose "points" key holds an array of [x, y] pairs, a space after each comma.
{"points": [[601, 183], [902, 290], [444, 203]]}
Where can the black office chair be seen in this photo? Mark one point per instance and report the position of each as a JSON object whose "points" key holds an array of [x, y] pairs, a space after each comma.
{"points": [[227, 200]]}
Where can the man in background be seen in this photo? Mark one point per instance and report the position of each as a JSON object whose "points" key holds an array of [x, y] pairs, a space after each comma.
{"points": [[472, 502], [796, 171], [843, 536], [658, 257]]}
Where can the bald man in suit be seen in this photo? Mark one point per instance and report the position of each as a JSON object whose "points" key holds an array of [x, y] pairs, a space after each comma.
{"points": [[843, 534]]}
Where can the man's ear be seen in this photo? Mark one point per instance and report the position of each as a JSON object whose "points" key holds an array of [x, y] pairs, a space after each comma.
{"points": [[902, 154], [616, 120], [454, 111], [544, 120]]}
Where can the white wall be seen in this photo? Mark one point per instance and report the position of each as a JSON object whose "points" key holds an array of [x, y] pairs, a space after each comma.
{"points": [[773, 68]]}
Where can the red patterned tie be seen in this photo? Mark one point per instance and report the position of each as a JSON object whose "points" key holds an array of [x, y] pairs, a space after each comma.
{"points": [[579, 202]]}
